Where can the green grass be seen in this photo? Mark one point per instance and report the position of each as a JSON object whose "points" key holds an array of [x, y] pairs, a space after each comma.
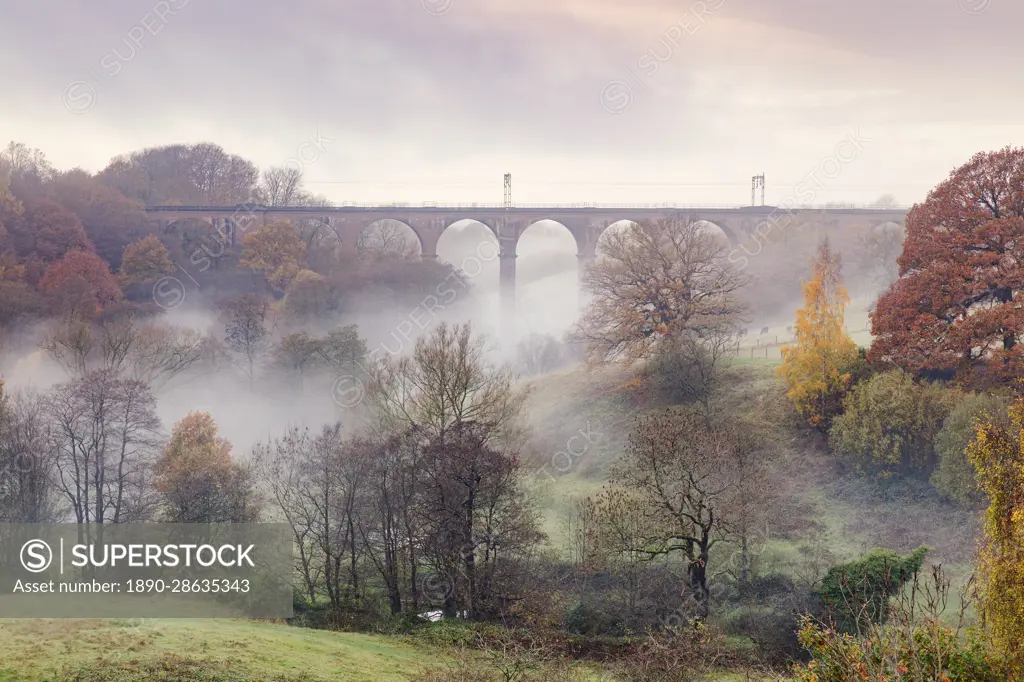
{"points": [[39, 649], [842, 513], [846, 514]]}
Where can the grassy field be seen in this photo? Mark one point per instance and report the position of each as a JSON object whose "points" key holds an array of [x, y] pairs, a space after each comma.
{"points": [[59, 649], [580, 422]]}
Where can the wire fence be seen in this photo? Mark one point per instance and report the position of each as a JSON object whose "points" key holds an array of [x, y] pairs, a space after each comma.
{"points": [[770, 345]]}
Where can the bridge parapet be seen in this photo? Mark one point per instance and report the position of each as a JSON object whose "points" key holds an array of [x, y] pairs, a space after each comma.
{"points": [[586, 221]]}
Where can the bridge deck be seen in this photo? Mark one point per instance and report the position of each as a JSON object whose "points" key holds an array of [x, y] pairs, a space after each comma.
{"points": [[520, 208]]}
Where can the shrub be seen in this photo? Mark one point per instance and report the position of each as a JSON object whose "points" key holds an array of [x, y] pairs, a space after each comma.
{"points": [[889, 424], [772, 630], [856, 593], [926, 651], [919, 641], [954, 475], [686, 656]]}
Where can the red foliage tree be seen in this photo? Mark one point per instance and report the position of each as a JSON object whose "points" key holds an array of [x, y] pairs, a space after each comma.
{"points": [[80, 283], [111, 220], [957, 310], [46, 231]]}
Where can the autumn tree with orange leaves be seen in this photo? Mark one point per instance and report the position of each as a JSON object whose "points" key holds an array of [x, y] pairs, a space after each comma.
{"points": [[198, 479], [80, 284], [956, 310], [816, 369]]}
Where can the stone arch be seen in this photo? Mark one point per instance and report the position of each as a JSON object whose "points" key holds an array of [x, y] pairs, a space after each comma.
{"points": [[608, 228], [321, 227], [483, 227], [547, 225], [473, 240], [450, 221], [548, 270], [558, 252], [720, 229], [391, 235]]}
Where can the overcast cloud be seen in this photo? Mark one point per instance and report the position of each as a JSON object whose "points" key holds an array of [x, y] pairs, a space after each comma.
{"points": [[433, 100]]}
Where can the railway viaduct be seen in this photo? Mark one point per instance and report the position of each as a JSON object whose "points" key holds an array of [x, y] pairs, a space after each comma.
{"points": [[742, 225]]}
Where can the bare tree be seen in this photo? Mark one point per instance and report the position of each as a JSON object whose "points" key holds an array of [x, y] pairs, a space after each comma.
{"points": [[688, 366], [619, 537], [476, 513], [653, 281], [26, 463], [280, 186], [245, 329], [318, 483], [467, 413], [878, 252], [388, 239], [150, 352], [105, 435], [540, 353], [19, 159], [71, 345], [392, 525], [445, 382], [680, 470], [578, 527], [295, 354]]}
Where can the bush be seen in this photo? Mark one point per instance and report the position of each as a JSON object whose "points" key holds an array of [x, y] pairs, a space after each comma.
{"points": [[585, 619], [686, 656], [772, 630], [925, 651], [954, 476], [919, 641], [889, 424], [857, 592], [689, 367]]}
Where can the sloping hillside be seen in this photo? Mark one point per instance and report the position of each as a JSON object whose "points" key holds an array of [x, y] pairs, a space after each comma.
{"points": [[212, 650], [825, 504]]}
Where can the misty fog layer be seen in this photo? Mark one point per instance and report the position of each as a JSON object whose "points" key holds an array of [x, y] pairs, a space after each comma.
{"points": [[548, 302]]}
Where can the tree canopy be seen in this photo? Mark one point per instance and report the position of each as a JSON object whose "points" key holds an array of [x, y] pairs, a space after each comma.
{"points": [[955, 308], [816, 368]]}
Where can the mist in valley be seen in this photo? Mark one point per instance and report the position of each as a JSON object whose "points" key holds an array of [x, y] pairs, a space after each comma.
{"points": [[548, 302]]}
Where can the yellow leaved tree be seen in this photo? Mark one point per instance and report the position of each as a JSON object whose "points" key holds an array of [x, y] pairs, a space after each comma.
{"points": [[997, 453], [816, 368], [276, 250]]}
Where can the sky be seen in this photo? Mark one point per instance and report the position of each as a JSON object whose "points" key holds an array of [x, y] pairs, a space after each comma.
{"points": [[646, 101]]}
